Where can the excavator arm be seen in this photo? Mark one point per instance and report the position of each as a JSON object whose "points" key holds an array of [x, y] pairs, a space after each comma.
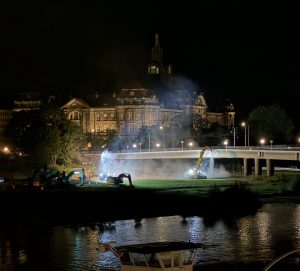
{"points": [[200, 159], [119, 179], [196, 171], [126, 175]]}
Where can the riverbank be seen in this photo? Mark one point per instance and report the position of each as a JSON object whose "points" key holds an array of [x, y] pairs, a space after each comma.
{"points": [[98, 202], [63, 207]]}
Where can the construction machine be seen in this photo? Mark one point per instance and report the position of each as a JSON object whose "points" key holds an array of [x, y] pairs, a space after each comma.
{"points": [[119, 179], [77, 177], [196, 172]]}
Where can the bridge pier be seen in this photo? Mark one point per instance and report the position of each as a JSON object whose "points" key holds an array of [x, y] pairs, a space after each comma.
{"points": [[257, 167], [270, 167], [247, 167]]}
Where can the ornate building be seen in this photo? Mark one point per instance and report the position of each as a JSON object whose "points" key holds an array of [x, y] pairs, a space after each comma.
{"points": [[5, 117], [165, 103]]}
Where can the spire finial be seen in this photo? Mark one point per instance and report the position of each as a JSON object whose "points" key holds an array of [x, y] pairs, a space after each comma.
{"points": [[156, 40]]}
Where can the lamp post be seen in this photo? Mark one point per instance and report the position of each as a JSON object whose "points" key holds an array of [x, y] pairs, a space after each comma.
{"points": [[182, 144], [140, 144], [134, 146], [233, 136], [271, 142], [163, 134], [245, 125], [93, 145], [262, 142], [225, 143], [248, 134], [149, 139], [191, 144]]}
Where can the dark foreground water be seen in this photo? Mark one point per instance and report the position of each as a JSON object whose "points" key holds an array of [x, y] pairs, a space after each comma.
{"points": [[273, 230]]}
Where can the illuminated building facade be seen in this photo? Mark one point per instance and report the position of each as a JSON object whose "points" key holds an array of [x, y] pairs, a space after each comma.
{"points": [[160, 100], [5, 117], [166, 102]]}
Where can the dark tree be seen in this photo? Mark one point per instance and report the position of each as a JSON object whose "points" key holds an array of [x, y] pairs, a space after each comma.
{"points": [[271, 122], [59, 140]]}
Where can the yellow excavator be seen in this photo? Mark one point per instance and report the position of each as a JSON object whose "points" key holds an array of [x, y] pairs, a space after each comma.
{"points": [[196, 172]]}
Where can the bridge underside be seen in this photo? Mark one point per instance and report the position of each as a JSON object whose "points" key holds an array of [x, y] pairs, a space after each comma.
{"points": [[176, 164], [258, 165]]}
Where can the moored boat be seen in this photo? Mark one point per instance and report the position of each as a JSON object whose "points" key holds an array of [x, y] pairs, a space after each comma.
{"points": [[155, 256]]}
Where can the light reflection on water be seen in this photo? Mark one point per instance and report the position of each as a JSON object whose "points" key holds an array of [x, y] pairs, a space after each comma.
{"points": [[274, 230]]}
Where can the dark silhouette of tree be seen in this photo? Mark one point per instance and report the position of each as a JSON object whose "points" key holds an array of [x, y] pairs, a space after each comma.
{"points": [[59, 140], [271, 122], [22, 130]]}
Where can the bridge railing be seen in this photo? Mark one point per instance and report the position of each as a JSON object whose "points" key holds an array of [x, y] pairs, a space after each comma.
{"points": [[258, 148]]}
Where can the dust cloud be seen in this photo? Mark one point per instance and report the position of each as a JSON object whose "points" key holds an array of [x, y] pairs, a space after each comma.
{"points": [[159, 168]]}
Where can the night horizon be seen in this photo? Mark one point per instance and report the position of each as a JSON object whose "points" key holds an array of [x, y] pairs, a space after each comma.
{"points": [[248, 57]]}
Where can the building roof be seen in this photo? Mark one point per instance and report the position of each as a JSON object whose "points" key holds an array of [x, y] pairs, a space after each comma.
{"points": [[156, 247]]}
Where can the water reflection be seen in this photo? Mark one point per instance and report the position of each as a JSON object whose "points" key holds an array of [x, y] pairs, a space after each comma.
{"points": [[272, 231], [296, 223]]}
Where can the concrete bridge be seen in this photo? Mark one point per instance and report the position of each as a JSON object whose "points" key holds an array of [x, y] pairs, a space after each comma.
{"points": [[251, 156]]}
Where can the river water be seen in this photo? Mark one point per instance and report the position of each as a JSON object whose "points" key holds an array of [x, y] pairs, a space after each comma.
{"points": [[273, 230]]}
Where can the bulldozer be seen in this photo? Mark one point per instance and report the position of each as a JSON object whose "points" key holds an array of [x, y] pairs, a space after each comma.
{"points": [[196, 172]]}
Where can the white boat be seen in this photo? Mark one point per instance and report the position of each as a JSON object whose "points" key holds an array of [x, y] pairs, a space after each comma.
{"points": [[155, 256], [282, 257]]}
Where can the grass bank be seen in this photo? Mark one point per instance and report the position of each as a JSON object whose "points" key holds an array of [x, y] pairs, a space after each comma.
{"points": [[283, 183]]}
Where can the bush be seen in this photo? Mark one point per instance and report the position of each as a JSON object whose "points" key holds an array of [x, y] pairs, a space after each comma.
{"points": [[295, 183], [238, 199]]}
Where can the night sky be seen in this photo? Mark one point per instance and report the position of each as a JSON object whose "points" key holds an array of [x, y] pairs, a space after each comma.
{"points": [[247, 54]]}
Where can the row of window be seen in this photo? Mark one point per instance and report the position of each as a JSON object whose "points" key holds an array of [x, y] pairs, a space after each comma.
{"points": [[75, 115], [130, 128], [5, 114], [4, 121]]}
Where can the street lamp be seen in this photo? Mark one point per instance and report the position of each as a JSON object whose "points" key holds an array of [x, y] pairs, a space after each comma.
{"points": [[163, 134], [262, 142], [140, 144], [233, 136], [225, 143], [191, 144], [182, 144], [245, 125], [157, 145], [134, 146], [149, 139], [6, 150], [248, 134], [94, 139], [271, 142]]}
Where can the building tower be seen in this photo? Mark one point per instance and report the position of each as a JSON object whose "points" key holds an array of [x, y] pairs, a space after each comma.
{"points": [[156, 68]]}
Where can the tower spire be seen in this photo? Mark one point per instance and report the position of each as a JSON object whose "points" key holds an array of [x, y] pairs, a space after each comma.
{"points": [[156, 54], [156, 40]]}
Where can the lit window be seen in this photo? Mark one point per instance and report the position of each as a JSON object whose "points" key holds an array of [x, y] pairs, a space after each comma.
{"points": [[153, 70], [130, 116]]}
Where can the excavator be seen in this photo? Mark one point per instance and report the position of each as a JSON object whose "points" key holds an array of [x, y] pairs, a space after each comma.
{"points": [[119, 179], [196, 172], [77, 177]]}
